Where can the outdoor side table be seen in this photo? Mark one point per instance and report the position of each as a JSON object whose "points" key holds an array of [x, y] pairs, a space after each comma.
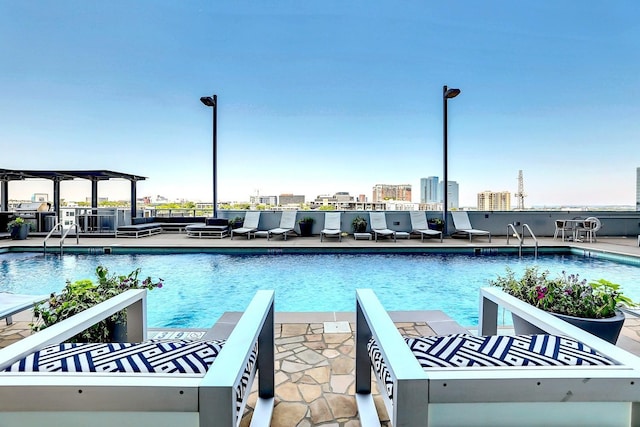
{"points": [[362, 236]]}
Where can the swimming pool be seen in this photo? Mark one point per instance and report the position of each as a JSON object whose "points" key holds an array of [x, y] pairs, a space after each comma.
{"points": [[200, 287]]}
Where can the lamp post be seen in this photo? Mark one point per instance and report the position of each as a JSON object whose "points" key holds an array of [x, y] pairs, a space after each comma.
{"points": [[446, 94], [212, 101]]}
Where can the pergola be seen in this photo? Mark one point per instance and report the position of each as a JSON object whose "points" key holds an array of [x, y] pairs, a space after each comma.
{"points": [[94, 176]]}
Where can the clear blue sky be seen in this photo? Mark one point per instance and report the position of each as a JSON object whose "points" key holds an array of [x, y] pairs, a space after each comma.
{"points": [[317, 97]]}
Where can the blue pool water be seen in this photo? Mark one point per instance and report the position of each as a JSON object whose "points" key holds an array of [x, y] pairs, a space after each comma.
{"points": [[200, 287]]}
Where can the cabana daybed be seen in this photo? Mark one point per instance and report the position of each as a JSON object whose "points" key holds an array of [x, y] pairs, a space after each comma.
{"points": [[566, 378], [164, 386]]}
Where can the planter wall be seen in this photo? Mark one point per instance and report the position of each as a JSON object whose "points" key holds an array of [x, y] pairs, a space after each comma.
{"points": [[607, 329]]}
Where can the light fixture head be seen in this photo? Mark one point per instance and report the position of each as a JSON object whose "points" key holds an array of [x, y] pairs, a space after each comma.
{"points": [[451, 93], [208, 101]]}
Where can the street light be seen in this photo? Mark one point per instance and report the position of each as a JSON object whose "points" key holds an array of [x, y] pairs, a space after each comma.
{"points": [[212, 101], [446, 94]]}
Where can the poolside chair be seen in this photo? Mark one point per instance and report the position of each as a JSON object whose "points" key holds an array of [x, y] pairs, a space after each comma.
{"points": [[379, 226], [249, 226], [11, 304], [589, 227], [419, 225], [44, 381], [565, 377], [562, 226], [463, 225], [332, 226], [287, 224]]}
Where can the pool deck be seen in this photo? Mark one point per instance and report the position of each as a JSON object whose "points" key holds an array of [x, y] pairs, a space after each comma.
{"points": [[315, 351]]}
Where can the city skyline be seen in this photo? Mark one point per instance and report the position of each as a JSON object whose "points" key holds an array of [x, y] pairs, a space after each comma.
{"points": [[317, 98], [275, 199]]}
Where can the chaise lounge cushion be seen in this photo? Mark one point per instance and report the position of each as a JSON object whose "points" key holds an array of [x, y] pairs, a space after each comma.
{"points": [[461, 350]]}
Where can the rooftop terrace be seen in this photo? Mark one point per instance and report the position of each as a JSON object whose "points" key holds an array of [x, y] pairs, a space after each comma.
{"points": [[315, 351]]}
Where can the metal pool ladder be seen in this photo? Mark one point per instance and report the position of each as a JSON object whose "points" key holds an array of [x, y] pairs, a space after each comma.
{"points": [[62, 237], [520, 238]]}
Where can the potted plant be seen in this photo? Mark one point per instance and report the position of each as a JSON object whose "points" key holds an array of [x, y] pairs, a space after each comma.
{"points": [[19, 228], [359, 224], [306, 224], [592, 306], [82, 294], [435, 224], [236, 222]]}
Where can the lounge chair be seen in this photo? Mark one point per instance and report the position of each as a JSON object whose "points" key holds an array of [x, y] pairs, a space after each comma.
{"points": [[463, 225], [249, 226], [332, 226], [287, 224], [11, 304], [174, 383], [379, 226], [564, 377], [419, 225]]}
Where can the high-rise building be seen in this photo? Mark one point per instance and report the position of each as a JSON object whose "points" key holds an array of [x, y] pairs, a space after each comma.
{"points": [[452, 195], [429, 190], [263, 200], [340, 200], [291, 199], [638, 189], [492, 201], [382, 192]]}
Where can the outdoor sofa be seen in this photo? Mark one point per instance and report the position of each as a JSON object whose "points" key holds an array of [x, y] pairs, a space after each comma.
{"points": [[143, 382], [148, 226], [496, 380]]}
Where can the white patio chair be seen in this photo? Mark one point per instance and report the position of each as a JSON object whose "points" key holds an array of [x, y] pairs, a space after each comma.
{"points": [[379, 225], [287, 224], [332, 226], [562, 226], [463, 225], [157, 383], [419, 225], [589, 227], [249, 226], [566, 378]]}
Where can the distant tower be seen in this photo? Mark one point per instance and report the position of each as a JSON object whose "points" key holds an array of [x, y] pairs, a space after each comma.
{"points": [[520, 194]]}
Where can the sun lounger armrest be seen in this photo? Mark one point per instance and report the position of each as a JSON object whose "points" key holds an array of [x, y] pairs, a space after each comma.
{"points": [[256, 326], [408, 376], [134, 301]]}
